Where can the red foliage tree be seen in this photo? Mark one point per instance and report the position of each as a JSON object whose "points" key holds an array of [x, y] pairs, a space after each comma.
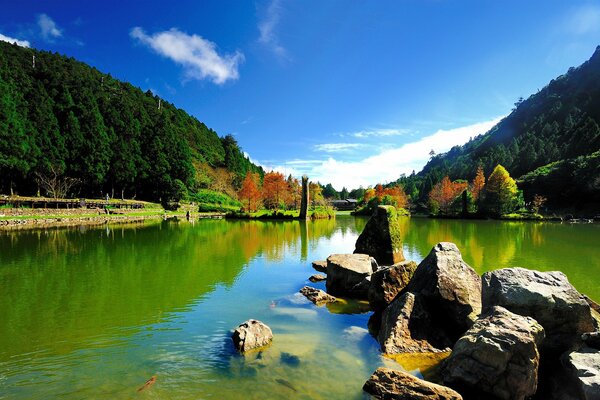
{"points": [[249, 193], [275, 189]]}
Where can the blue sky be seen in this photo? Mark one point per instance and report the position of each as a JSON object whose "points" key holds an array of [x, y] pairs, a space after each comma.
{"points": [[349, 92]]}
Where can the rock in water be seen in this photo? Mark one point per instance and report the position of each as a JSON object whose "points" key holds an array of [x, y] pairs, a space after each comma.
{"points": [[591, 339], [498, 356], [317, 296], [317, 277], [320, 265], [387, 282], [349, 274], [584, 368], [450, 288], [250, 335], [387, 383], [381, 237], [548, 297], [406, 327]]}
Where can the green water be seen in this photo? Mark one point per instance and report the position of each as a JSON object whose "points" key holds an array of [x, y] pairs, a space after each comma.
{"points": [[94, 313]]}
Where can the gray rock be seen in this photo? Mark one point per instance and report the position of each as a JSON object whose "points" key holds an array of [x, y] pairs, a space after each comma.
{"points": [[450, 288], [320, 265], [406, 327], [548, 297], [381, 237], [387, 282], [387, 383], [584, 368], [317, 296], [250, 335], [591, 339], [317, 277], [498, 356], [348, 275]]}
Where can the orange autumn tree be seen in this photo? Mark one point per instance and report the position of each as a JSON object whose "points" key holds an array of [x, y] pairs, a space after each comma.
{"points": [[443, 194], [477, 185], [394, 196], [249, 193], [399, 198], [275, 190]]}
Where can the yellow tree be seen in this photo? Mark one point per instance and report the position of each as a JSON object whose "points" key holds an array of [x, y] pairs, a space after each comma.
{"points": [[501, 192], [315, 192]]}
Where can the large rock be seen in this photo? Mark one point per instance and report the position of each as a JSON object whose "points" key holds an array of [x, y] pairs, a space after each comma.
{"points": [[584, 368], [381, 237], [406, 327], [349, 274], [498, 355], [548, 297], [450, 288], [317, 296], [386, 383], [320, 265], [250, 335], [387, 282]]}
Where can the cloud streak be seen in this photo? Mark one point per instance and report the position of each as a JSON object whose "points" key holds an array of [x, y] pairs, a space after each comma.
{"points": [[48, 28], [267, 27], [337, 147], [378, 133], [22, 43], [198, 56]]}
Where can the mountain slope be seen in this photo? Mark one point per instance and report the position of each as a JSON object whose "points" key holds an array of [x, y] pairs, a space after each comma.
{"points": [[560, 122], [61, 115]]}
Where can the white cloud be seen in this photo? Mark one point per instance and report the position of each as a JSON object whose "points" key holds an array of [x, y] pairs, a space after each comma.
{"points": [[267, 27], [337, 147], [22, 43], [378, 133], [48, 27], [197, 55], [584, 20], [388, 165]]}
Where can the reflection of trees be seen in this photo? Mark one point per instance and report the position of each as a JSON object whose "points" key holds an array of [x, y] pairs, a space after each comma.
{"points": [[61, 287]]}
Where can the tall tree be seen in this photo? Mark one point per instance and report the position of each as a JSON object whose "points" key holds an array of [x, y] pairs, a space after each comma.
{"points": [[249, 193], [501, 192], [274, 191]]}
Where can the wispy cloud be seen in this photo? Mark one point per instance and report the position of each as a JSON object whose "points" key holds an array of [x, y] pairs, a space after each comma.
{"points": [[197, 55], [387, 165], [584, 20], [22, 43], [337, 147], [377, 133], [267, 27], [48, 28]]}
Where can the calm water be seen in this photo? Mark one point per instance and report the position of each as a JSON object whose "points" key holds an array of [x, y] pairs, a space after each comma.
{"points": [[94, 313]]}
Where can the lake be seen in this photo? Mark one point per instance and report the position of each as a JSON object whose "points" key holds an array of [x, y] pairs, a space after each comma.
{"points": [[96, 312]]}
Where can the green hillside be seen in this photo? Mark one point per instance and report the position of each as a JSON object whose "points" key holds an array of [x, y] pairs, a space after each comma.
{"points": [[560, 123], [66, 118]]}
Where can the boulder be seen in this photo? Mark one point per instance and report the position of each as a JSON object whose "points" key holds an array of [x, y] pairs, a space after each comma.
{"points": [[406, 327], [317, 296], [591, 339], [381, 237], [317, 277], [386, 383], [250, 335], [583, 366], [387, 282], [450, 288], [349, 274], [497, 356], [320, 265], [548, 297]]}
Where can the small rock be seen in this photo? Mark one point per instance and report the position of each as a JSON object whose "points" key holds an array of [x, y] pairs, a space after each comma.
{"points": [[320, 265], [317, 296], [381, 237], [584, 368], [250, 335], [591, 339], [387, 282], [317, 277], [346, 274], [386, 383], [450, 287], [497, 356], [548, 297]]}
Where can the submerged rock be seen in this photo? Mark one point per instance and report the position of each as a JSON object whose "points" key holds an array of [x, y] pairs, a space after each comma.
{"points": [[317, 296], [548, 297], [406, 327], [498, 356], [386, 383], [317, 277], [387, 282], [320, 265], [381, 237], [349, 274], [450, 288], [250, 335], [583, 366], [591, 339]]}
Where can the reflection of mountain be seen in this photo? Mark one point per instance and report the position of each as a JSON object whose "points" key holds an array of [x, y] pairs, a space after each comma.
{"points": [[64, 287]]}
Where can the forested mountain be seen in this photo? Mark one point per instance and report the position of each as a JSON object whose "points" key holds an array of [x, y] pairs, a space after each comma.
{"points": [[560, 123], [60, 116]]}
